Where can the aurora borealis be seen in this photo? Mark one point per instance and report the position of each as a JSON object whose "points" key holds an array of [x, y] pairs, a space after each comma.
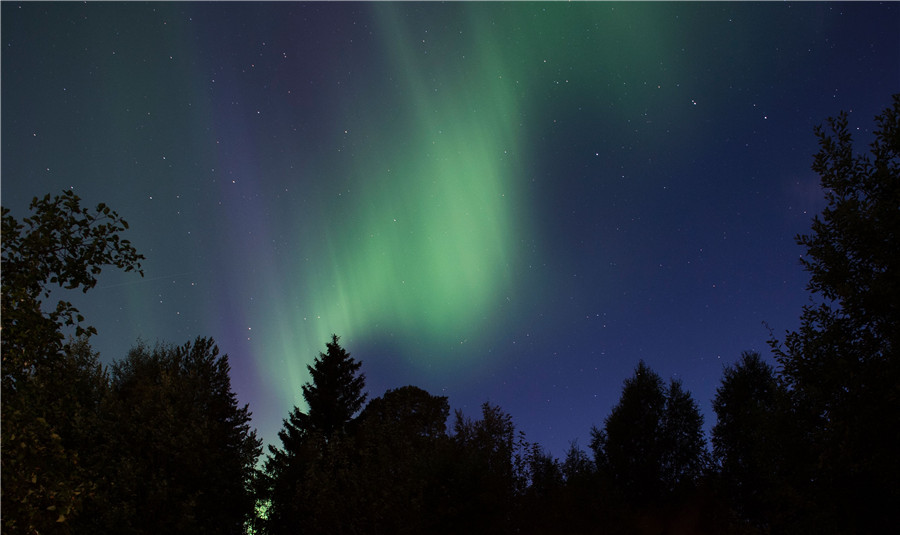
{"points": [[510, 202]]}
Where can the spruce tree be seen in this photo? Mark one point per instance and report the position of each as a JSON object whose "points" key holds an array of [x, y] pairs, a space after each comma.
{"points": [[312, 445], [335, 394]]}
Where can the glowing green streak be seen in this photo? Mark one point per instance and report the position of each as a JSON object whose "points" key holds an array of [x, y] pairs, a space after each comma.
{"points": [[419, 246], [422, 247]]}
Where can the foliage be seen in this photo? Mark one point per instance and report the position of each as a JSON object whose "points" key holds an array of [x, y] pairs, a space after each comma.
{"points": [[753, 445], [61, 245], [311, 461], [652, 442], [395, 469], [50, 427], [577, 465], [488, 461], [544, 474], [540, 508], [51, 390], [335, 394], [42, 484], [182, 456], [629, 446], [685, 458], [582, 500], [841, 366], [402, 437]]}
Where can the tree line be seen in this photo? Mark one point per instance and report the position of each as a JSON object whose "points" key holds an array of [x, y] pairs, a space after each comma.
{"points": [[158, 443]]}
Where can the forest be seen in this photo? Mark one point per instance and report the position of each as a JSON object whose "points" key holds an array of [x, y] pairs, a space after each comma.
{"points": [[158, 442]]}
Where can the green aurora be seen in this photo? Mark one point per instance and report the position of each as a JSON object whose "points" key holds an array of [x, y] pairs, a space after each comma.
{"points": [[424, 233]]}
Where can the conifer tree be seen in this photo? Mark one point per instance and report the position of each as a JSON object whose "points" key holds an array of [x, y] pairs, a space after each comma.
{"points": [[312, 444], [335, 394]]}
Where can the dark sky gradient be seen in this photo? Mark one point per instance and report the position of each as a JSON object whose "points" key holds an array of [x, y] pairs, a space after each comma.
{"points": [[495, 202]]}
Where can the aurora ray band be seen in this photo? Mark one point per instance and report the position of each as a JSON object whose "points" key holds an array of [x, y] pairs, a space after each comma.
{"points": [[416, 238], [414, 229]]}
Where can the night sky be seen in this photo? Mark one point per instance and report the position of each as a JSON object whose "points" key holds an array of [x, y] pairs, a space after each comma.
{"points": [[498, 202]]}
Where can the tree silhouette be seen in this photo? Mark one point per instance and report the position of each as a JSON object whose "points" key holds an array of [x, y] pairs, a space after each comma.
{"points": [[302, 481], [577, 465], [582, 495], [181, 451], [52, 426], [540, 507], [486, 469], [652, 441], [61, 245], [752, 442], [630, 446], [335, 394], [51, 389], [842, 366], [401, 439], [684, 445]]}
